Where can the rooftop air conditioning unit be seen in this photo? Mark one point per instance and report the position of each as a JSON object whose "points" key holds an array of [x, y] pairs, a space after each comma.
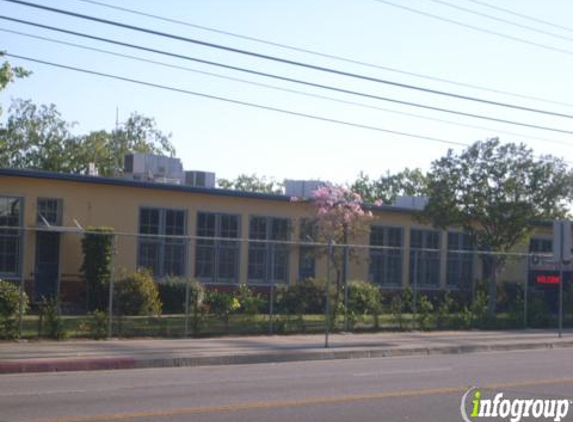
{"points": [[302, 188], [153, 168], [200, 179]]}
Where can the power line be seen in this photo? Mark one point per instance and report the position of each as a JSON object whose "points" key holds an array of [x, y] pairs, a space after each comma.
{"points": [[506, 21], [325, 55], [287, 79], [475, 28], [511, 12], [304, 93], [233, 101], [288, 61]]}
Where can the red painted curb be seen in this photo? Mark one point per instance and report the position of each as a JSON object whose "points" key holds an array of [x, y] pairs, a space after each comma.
{"points": [[66, 365]]}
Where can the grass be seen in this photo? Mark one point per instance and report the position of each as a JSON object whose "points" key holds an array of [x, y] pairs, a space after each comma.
{"points": [[173, 326]]}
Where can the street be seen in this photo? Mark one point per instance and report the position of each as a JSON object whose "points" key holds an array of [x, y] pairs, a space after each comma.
{"points": [[426, 388]]}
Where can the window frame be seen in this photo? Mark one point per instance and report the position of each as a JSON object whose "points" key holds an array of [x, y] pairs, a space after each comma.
{"points": [[20, 239], [457, 256], [161, 239], [425, 257], [385, 256], [59, 211], [268, 277], [217, 246]]}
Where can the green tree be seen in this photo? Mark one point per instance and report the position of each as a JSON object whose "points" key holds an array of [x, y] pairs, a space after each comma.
{"points": [[387, 188], [36, 136], [10, 73], [252, 183], [496, 192]]}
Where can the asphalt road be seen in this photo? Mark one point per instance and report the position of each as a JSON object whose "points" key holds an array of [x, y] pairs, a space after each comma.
{"points": [[388, 389]]}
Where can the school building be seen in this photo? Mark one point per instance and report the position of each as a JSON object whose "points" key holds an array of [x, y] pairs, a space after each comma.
{"points": [[218, 236]]}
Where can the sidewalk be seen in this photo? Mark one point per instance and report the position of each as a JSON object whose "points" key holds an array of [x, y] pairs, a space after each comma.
{"points": [[88, 355]]}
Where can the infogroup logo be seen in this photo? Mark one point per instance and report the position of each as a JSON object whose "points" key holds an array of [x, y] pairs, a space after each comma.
{"points": [[512, 409]]}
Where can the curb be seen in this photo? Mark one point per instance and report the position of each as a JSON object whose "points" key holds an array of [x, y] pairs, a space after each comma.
{"points": [[85, 364]]}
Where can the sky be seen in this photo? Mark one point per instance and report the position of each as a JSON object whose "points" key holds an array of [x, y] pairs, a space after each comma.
{"points": [[396, 43]]}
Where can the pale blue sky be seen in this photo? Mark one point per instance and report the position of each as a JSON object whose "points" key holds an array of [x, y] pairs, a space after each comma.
{"points": [[231, 139]]}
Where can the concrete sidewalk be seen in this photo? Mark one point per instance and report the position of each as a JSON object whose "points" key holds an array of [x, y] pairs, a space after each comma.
{"points": [[88, 355]]}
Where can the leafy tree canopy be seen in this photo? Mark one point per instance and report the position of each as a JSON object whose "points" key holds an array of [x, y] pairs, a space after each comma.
{"points": [[38, 137], [9, 73], [252, 183], [496, 192], [410, 182]]}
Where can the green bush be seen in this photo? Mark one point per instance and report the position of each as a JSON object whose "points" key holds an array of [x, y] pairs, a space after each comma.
{"points": [[251, 303], [197, 307], [222, 305], [10, 309], [400, 304], [445, 309], [425, 312], [363, 299], [538, 312], [97, 248], [98, 325], [172, 295], [53, 322], [304, 297], [137, 294]]}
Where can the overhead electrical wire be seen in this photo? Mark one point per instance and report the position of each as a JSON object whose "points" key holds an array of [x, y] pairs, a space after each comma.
{"points": [[287, 79], [233, 101], [512, 12], [275, 87], [288, 61], [475, 28], [498, 19], [324, 55]]}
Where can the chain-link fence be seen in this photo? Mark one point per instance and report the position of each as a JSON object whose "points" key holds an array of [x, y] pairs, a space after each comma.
{"points": [[84, 283]]}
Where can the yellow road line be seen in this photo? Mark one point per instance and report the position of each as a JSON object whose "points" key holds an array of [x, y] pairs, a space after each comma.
{"points": [[257, 405]]}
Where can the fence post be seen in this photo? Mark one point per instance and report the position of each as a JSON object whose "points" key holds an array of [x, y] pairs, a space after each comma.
{"points": [[525, 298], [345, 275], [111, 282], [327, 305], [187, 294], [272, 290], [22, 288]]}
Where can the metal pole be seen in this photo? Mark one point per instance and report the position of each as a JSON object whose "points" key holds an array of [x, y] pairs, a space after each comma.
{"points": [[187, 294], [22, 289], [327, 298], [272, 290], [111, 281], [415, 290], [525, 298], [345, 275], [560, 297]]}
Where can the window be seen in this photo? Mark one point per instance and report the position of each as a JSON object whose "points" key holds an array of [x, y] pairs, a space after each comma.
{"points": [[460, 265], [307, 254], [268, 260], [49, 212], [386, 262], [217, 260], [424, 258], [159, 249], [10, 239], [537, 245]]}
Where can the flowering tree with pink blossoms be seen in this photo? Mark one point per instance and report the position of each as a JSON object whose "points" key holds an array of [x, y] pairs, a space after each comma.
{"points": [[339, 215]]}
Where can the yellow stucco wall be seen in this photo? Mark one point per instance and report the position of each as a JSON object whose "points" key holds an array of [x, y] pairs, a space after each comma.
{"points": [[91, 204]]}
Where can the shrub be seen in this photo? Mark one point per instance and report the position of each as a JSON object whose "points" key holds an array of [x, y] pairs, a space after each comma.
{"points": [[251, 303], [222, 305], [97, 248], [304, 297], [172, 295], [53, 319], [479, 309], [538, 312], [137, 294], [10, 309], [445, 309], [98, 325], [400, 304], [363, 299], [425, 310], [197, 307]]}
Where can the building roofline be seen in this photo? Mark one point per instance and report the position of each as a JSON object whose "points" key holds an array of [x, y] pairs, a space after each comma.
{"points": [[114, 181]]}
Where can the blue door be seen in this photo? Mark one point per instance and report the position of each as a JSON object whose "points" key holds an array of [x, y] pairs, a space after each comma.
{"points": [[47, 265]]}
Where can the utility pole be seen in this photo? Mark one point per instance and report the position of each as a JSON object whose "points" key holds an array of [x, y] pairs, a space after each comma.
{"points": [[115, 144]]}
